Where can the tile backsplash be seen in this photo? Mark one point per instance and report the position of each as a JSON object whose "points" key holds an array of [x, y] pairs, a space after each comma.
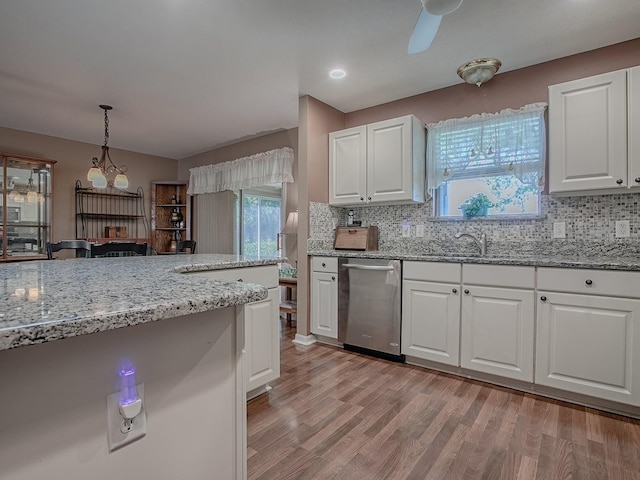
{"points": [[590, 227]]}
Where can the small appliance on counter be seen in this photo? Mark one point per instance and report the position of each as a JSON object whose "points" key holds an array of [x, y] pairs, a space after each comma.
{"points": [[356, 238]]}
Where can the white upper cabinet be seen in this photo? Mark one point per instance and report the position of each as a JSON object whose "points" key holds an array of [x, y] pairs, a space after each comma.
{"points": [[589, 120], [380, 163]]}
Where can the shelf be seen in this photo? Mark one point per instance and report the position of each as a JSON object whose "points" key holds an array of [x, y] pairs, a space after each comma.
{"points": [[171, 205], [289, 307], [27, 224], [101, 240], [109, 192], [109, 215], [170, 229]]}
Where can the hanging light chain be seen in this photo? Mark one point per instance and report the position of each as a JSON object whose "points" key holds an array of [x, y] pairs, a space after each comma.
{"points": [[106, 124]]}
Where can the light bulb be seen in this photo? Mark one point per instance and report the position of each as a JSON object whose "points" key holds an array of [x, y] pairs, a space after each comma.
{"points": [[32, 197], [93, 174], [121, 181], [100, 182]]}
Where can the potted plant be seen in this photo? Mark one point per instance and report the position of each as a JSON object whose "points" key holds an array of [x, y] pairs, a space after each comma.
{"points": [[476, 206]]}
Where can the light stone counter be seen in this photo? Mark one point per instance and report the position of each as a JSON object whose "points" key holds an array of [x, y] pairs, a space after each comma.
{"points": [[507, 257], [43, 301]]}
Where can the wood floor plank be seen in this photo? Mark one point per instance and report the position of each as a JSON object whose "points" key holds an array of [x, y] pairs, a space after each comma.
{"points": [[345, 416]]}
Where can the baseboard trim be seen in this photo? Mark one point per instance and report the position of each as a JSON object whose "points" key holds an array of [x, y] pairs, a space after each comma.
{"points": [[304, 339]]}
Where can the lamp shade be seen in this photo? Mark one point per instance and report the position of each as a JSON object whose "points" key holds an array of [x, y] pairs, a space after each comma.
{"points": [[291, 226]]}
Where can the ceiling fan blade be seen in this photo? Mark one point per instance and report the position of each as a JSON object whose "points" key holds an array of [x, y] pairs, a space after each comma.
{"points": [[424, 32]]}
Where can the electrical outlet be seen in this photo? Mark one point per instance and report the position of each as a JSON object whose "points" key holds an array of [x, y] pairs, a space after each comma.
{"points": [[120, 433], [420, 231], [406, 228], [559, 230], [623, 229]]}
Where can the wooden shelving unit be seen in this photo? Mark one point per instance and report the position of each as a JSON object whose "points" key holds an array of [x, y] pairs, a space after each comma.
{"points": [[98, 209], [166, 198]]}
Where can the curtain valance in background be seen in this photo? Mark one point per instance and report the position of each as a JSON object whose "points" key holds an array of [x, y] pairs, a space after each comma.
{"points": [[510, 142], [274, 166]]}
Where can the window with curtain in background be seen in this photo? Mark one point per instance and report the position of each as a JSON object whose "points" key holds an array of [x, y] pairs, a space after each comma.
{"points": [[497, 160], [258, 220]]}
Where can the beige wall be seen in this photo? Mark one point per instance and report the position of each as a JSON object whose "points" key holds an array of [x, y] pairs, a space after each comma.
{"points": [[506, 90], [73, 161], [315, 121], [280, 139]]}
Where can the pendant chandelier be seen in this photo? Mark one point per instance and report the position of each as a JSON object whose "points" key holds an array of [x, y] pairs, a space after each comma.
{"points": [[97, 174]]}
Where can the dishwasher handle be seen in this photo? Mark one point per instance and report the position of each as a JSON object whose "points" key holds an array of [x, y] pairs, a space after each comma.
{"points": [[355, 266]]}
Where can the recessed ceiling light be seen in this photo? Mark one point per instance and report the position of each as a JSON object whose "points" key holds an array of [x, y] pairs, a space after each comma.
{"points": [[337, 73]]}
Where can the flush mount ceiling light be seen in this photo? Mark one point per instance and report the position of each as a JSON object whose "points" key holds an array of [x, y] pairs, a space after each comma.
{"points": [[337, 73], [97, 174], [479, 71]]}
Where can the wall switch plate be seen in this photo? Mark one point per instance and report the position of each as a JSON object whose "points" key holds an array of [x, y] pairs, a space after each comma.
{"points": [[406, 229], [116, 438], [420, 231], [559, 230], [623, 229]]}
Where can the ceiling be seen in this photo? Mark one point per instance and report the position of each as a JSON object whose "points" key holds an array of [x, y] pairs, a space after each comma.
{"points": [[186, 76]]}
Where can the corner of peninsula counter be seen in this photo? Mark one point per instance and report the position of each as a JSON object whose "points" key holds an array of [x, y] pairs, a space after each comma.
{"points": [[67, 326]]}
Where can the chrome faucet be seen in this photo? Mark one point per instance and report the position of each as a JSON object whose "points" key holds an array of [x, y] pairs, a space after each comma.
{"points": [[481, 241]]}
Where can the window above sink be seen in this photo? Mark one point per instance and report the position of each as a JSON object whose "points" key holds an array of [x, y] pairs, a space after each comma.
{"points": [[488, 164]]}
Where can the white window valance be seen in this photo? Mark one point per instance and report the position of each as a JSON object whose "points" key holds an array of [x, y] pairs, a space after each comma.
{"points": [[510, 142], [274, 166]]}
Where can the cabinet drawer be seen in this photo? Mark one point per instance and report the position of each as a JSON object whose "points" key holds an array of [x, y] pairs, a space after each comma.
{"points": [[432, 271], [266, 275], [324, 264], [499, 276], [593, 282]]}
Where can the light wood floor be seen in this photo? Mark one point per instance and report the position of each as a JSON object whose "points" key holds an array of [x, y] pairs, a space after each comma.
{"points": [[336, 414]]}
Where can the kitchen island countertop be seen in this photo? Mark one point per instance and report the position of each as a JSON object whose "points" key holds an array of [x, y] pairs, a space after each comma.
{"points": [[630, 263], [43, 301]]}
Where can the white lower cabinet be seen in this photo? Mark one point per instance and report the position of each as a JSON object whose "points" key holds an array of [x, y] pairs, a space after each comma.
{"points": [[498, 331], [262, 341], [431, 312], [588, 341], [324, 297], [261, 325]]}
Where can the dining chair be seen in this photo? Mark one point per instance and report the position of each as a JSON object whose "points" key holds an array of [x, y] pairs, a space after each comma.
{"points": [[119, 249], [82, 248], [186, 246]]}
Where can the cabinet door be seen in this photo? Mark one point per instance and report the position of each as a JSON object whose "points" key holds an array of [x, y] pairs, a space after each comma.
{"points": [[389, 161], [633, 102], [590, 345], [588, 133], [262, 341], [348, 166], [324, 304], [498, 331], [431, 321]]}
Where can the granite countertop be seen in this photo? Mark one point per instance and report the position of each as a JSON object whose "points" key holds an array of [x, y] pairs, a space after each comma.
{"points": [[630, 263], [43, 301]]}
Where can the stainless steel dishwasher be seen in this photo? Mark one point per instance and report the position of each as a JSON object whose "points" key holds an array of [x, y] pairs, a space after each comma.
{"points": [[369, 299]]}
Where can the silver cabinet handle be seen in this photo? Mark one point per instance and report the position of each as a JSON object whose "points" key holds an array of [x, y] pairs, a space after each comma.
{"points": [[367, 267], [466, 292], [619, 181], [454, 290]]}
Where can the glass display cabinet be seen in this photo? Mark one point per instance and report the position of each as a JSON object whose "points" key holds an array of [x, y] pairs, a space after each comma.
{"points": [[25, 208]]}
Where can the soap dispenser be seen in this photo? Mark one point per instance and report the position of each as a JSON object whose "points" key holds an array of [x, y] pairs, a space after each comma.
{"points": [[350, 218]]}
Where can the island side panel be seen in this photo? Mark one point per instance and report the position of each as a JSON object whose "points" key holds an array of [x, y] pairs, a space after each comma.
{"points": [[53, 417]]}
